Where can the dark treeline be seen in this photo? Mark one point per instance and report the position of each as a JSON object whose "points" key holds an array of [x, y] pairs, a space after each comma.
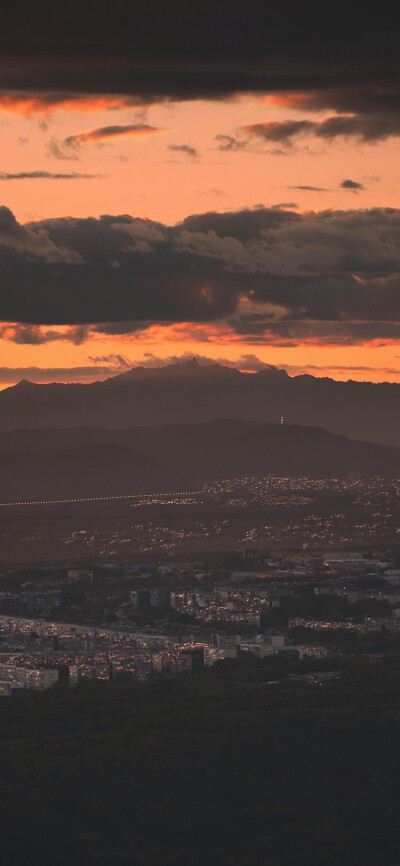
{"points": [[223, 766]]}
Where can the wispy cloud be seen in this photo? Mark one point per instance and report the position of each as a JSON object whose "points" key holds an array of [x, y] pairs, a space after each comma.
{"points": [[56, 148], [184, 148], [307, 188], [116, 360], [229, 142], [69, 147], [11, 375], [45, 175], [214, 190], [102, 133]]}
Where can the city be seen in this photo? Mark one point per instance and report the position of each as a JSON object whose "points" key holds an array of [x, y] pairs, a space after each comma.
{"points": [[183, 616]]}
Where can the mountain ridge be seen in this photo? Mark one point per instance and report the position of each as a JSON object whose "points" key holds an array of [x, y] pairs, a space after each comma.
{"points": [[190, 393]]}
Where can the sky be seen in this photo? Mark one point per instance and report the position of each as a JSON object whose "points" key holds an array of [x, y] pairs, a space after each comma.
{"points": [[182, 180]]}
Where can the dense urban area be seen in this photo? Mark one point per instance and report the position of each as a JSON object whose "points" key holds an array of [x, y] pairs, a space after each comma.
{"points": [[61, 624]]}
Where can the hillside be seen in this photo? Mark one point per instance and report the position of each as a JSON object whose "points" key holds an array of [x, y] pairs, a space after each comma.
{"points": [[88, 470], [90, 462]]}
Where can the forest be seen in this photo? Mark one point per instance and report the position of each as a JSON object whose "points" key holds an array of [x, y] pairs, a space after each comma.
{"points": [[238, 764]]}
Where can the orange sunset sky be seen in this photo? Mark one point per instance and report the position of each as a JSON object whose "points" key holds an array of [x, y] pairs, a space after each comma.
{"points": [[165, 161]]}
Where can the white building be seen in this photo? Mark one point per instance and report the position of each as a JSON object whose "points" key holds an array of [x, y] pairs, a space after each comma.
{"points": [[42, 678]]}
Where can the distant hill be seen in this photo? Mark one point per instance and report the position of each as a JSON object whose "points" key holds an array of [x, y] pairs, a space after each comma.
{"points": [[90, 462], [189, 393]]}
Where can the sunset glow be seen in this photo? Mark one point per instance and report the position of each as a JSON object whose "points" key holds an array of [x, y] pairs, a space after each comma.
{"points": [[163, 156]]}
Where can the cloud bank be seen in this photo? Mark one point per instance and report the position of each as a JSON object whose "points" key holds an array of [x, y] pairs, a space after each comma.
{"points": [[258, 275]]}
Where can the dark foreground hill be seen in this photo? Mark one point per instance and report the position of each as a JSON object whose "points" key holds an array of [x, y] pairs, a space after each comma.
{"points": [[190, 393], [89, 462], [95, 470], [218, 768]]}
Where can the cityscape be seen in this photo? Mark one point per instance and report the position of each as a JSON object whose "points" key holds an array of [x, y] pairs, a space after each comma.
{"points": [[182, 616]]}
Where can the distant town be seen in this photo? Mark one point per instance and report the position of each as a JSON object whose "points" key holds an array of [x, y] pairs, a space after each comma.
{"points": [[262, 511]]}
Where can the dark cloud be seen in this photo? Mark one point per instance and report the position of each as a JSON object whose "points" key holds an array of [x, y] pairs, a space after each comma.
{"points": [[351, 184], [282, 131], [366, 128], [364, 99], [266, 271], [129, 55], [149, 51], [242, 225], [45, 175], [35, 335], [184, 148], [367, 112], [286, 334]]}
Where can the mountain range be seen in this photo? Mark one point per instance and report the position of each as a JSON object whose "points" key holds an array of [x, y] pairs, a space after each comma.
{"points": [[189, 393], [60, 463]]}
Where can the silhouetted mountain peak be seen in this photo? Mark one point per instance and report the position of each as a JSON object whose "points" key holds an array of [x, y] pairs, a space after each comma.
{"points": [[22, 389], [272, 372], [24, 385]]}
